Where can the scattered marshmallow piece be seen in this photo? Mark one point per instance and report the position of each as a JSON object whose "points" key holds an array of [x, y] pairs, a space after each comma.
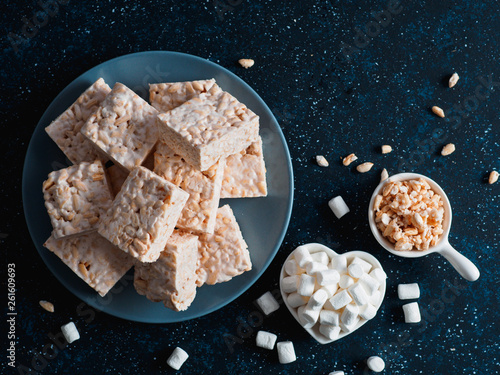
{"points": [[268, 303], [338, 206], [177, 358], [355, 271], [314, 267], [368, 311], [375, 363], [337, 373], [307, 317], [317, 300], [295, 300], [370, 284], [266, 340], [375, 297], [339, 300], [331, 332], [339, 263], [289, 284], [302, 256], [286, 353], [363, 263], [321, 257], [327, 277], [292, 268], [345, 281], [358, 294], [329, 318], [70, 332], [350, 315], [412, 312], [306, 285], [408, 291], [379, 274], [330, 289]]}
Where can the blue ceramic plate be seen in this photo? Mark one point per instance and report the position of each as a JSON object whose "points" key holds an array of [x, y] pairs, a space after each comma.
{"points": [[263, 221]]}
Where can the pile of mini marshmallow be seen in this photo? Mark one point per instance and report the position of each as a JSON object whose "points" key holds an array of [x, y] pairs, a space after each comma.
{"points": [[337, 293]]}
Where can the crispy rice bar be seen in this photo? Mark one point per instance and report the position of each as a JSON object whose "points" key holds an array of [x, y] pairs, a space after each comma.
{"points": [[123, 127], [65, 130], [76, 197], [224, 254], [172, 278], [143, 215], [203, 187], [94, 259], [245, 174], [208, 128], [167, 96]]}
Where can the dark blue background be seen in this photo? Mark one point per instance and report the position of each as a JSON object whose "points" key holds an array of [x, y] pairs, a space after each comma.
{"points": [[334, 92]]}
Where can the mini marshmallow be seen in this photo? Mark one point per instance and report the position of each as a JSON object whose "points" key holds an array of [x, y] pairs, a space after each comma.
{"points": [[292, 268], [375, 363], [295, 300], [306, 285], [327, 277], [345, 281], [308, 317], [412, 312], [266, 340], [314, 267], [338, 206], [368, 311], [350, 328], [268, 303], [358, 294], [363, 263], [355, 271], [369, 283], [336, 373], [317, 300], [408, 291], [375, 297], [339, 263], [379, 274], [339, 300], [329, 318], [330, 332], [177, 358], [331, 289], [302, 256], [350, 315], [321, 257], [286, 353], [289, 284], [70, 332]]}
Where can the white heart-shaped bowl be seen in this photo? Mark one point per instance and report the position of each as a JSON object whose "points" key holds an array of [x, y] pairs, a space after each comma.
{"points": [[314, 248]]}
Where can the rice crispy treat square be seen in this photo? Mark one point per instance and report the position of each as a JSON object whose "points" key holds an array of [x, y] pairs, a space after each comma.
{"points": [[123, 127], [94, 259], [245, 173], [172, 278], [143, 214], [208, 128], [65, 130], [224, 254], [204, 188], [76, 198], [167, 96]]}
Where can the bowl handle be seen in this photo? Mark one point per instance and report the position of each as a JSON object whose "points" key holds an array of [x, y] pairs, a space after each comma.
{"points": [[464, 266]]}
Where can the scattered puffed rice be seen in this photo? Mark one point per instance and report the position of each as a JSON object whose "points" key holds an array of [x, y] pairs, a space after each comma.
{"points": [[365, 167], [493, 177], [384, 175], [375, 363], [47, 306], [453, 80], [349, 159], [438, 111], [177, 358], [70, 332], [448, 149], [246, 63], [386, 149], [321, 160]]}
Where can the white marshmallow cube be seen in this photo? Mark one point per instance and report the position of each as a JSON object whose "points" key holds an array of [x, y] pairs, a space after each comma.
{"points": [[315, 267], [350, 315], [307, 317], [302, 256], [329, 318], [295, 300], [369, 283], [345, 281], [363, 263], [412, 312], [327, 277], [338, 206], [331, 332], [339, 263], [408, 291], [292, 268], [358, 294], [375, 297], [337, 373], [266, 340], [286, 352], [289, 284], [177, 358], [339, 300], [70, 332], [375, 363], [367, 311], [330, 289], [379, 274], [268, 303], [317, 300], [355, 271], [306, 285], [350, 328], [321, 257]]}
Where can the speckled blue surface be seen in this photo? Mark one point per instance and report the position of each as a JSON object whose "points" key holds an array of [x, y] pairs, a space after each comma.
{"points": [[327, 102]]}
